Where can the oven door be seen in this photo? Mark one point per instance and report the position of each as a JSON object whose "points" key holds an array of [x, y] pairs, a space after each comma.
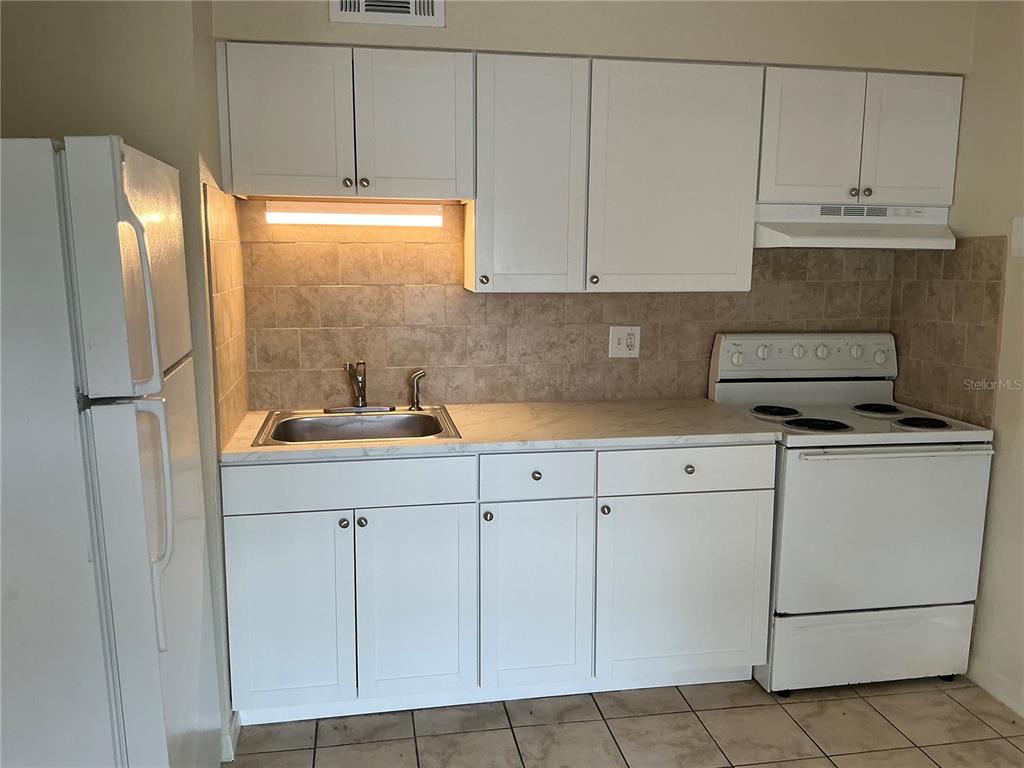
{"points": [[879, 527]]}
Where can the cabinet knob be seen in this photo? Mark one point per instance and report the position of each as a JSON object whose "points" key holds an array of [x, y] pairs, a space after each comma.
{"points": [[606, 510], [488, 516], [484, 279], [594, 279], [346, 182], [536, 475], [854, 191], [868, 191], [689, 469], [362, 522], [343, 523], [364, 182]]}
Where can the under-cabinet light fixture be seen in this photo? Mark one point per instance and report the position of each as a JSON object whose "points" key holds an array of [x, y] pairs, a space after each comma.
{"points": [[354, 214]]}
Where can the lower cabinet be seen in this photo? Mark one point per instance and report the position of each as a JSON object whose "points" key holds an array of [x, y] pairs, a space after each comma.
{"points": [[536, 592], [416, 581], [682, 583], [294, 582], [291, 608]]}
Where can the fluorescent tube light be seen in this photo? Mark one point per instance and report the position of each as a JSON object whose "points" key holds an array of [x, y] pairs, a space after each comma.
{"points": [[354, 214]]}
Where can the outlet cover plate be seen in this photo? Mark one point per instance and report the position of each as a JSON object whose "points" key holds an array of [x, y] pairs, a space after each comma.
{"points": [[624, 341]]}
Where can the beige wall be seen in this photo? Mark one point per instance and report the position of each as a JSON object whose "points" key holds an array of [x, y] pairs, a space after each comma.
{"points": [[923, 36], [145, 71], [990, 192]]}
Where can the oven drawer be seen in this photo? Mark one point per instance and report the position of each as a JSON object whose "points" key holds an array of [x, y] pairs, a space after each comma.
{"points": [[522, 476], [878, 527], [684, 470]]}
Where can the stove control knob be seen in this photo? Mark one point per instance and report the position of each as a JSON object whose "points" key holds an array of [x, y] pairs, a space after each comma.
{"points": [[737, 359], [821, 351], [798, 351], [856, 351], [763, 351], [881, 357]]}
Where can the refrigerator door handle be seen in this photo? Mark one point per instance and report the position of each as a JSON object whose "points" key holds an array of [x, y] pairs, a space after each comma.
{"points": [[155, 383], [158, 408]]}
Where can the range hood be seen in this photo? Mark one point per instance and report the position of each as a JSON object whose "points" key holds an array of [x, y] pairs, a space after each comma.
{"points": [[852, 226]]}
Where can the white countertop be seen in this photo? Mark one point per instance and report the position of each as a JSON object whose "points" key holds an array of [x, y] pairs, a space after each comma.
{"points": [[534, 426]]}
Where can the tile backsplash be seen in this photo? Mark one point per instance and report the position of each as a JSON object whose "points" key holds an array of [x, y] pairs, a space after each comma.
{"points": [[316, 297], [227, 303]]}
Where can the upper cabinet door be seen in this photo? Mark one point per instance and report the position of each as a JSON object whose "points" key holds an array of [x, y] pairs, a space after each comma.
{"points": [[810, 146], [532, 116], [414, 123], [291, 123], [673, 176], [911, 126]]}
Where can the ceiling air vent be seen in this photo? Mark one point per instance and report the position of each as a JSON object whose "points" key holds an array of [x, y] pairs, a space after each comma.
{"points": [[878, 211], [416, 13], [830, 210], [853, 210]]}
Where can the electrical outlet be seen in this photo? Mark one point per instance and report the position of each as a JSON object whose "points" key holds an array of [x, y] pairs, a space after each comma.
{"points": [[624, 341]]}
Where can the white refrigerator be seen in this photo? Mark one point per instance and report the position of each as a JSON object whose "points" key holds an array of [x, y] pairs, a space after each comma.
{"points": [[107, 628]]}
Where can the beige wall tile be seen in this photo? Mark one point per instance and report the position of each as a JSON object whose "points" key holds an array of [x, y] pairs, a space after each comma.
{"points": [[361, 263], [297, 307], [342, 306], [424, 304]]}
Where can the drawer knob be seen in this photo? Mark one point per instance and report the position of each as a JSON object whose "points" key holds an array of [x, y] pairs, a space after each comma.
{"points": [[488, 516], [362, 522], [868, 191], [484, 279], [689, 469], [854, 191], [594, 279], [343, 523], [536, 475], [346, 182], [606, 510], [364, 183]]}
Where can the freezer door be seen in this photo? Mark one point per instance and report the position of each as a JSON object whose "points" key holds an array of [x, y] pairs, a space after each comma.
{"points": [[880, 527], [128, 271]]}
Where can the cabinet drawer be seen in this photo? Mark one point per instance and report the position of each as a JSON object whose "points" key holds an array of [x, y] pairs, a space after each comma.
{"points": [[680, 470], [348, 484], [518, 476]]}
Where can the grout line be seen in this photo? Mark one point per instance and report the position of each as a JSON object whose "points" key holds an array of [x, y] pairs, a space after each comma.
{"points": [[805, 733], [316, 738], [604, 721], [415, 740], [515, 738]]}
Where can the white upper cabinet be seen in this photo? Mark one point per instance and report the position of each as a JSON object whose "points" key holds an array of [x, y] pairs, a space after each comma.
{"points": [[911, 127], [323, 120], [289, 109], [532, 118], [855, 137], [810, 145], [414, 123], [673, 176]]}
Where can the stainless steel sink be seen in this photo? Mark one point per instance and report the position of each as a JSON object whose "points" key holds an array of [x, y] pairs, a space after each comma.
{"points": [[290, 427]]}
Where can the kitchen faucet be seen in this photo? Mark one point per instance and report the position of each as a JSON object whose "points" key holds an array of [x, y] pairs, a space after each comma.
{"points": [[357, 377]]}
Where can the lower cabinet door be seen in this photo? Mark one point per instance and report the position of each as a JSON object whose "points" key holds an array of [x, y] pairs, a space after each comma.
{"points": [[682, 583], [416, 571], [291, 608], [536, 592]]}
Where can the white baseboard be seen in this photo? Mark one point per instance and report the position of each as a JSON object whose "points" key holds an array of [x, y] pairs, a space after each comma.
{"points": [[1000, 685], [229, 738]]}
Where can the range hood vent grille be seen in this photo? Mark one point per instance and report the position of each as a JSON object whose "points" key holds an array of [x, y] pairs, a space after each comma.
{"points": [[874, 211]]}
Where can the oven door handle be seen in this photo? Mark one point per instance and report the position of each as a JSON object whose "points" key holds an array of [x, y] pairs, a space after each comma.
{"points": [[925, 453]]}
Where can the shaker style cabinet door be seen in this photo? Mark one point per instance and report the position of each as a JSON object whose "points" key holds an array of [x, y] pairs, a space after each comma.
{"points": [[911, 127], [673, 176], [682, 583], [536, 592], [414, 123], [532, 118], [811, 138], [416, 576], [290, 119], [291, 608]]}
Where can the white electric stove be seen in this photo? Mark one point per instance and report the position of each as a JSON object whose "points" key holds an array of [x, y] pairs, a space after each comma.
{"points": [[879, 511]]}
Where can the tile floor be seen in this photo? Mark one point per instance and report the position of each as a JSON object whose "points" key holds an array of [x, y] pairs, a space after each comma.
{"points": [[907, 724]]}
